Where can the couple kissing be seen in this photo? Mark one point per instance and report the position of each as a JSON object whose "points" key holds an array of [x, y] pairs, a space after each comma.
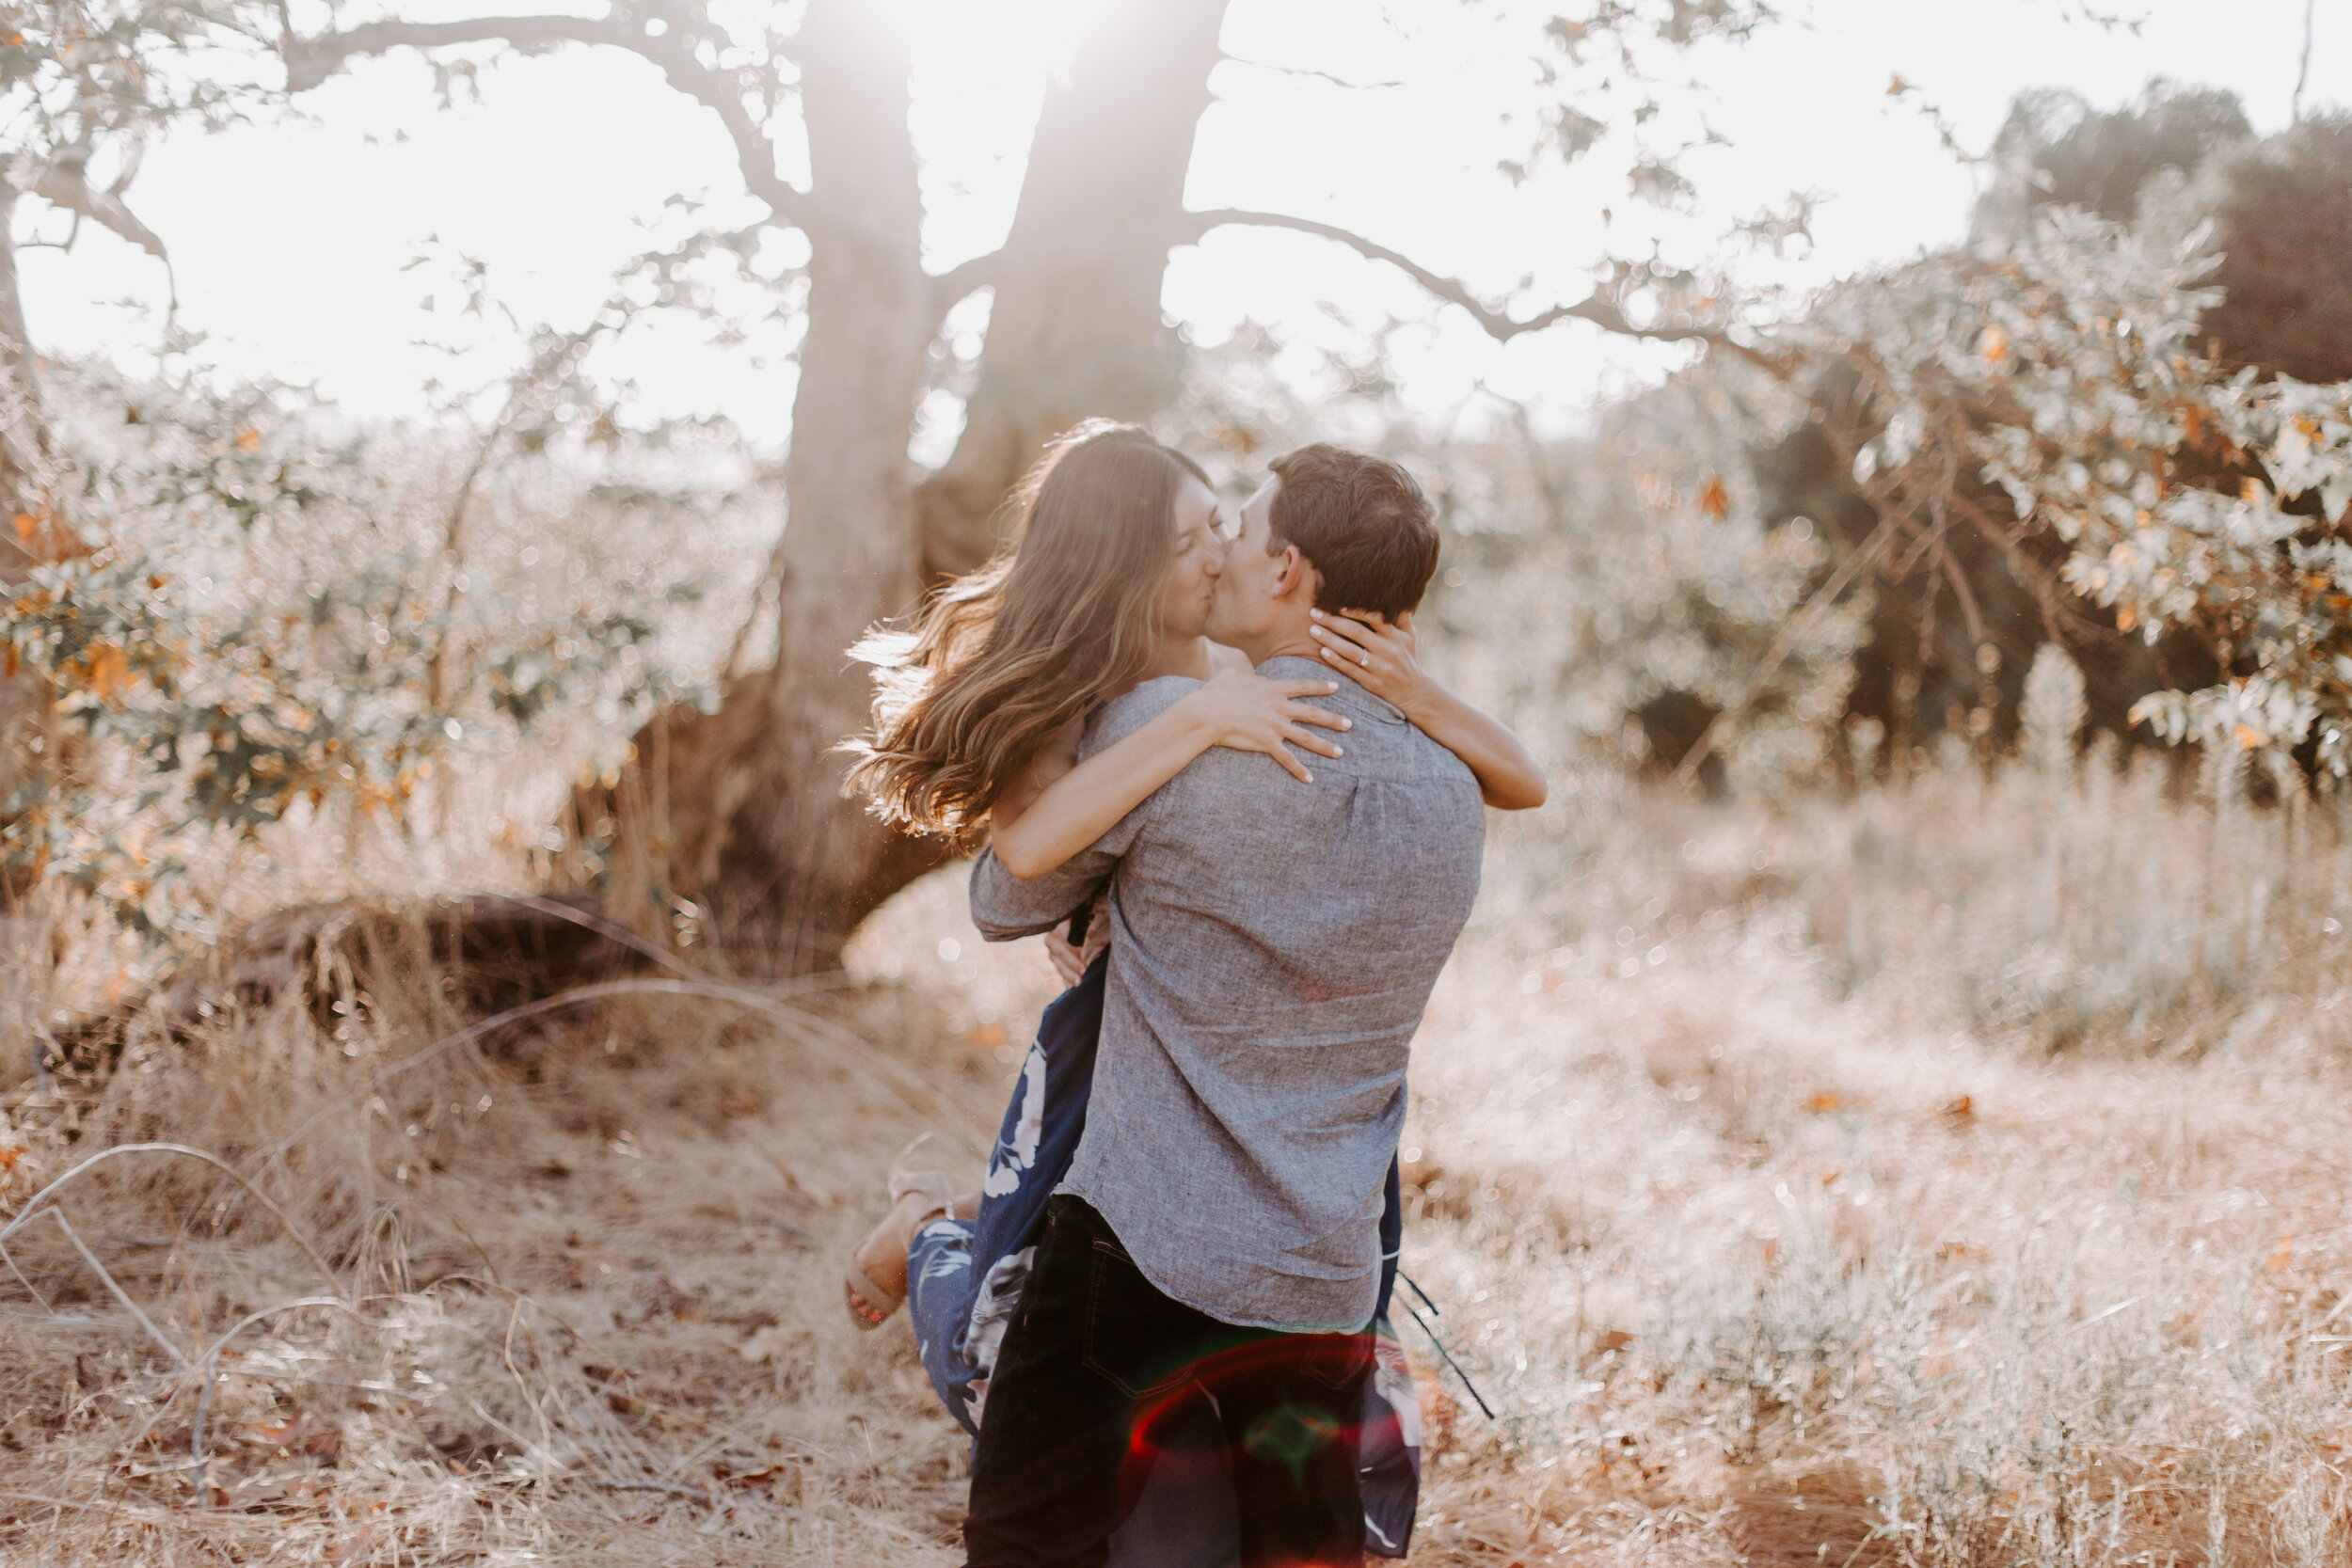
{"points": [[1209, 752]]}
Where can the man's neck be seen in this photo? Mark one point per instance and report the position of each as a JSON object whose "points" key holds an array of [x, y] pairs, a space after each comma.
{"points": [[1289, 639]]}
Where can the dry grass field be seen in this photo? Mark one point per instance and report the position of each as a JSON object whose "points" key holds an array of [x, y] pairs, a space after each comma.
{"points": [[1948, 1176]]}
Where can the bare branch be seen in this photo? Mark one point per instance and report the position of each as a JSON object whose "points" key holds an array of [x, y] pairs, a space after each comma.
{"points": [[2050, 597], [2303, 73], [1595, 310], [311, 60], [961, 280], [1786, 643], [65, 187], [1310, 72]]}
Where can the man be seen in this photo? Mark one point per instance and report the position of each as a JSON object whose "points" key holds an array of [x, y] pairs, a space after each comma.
{"points": [[1273, 947]]}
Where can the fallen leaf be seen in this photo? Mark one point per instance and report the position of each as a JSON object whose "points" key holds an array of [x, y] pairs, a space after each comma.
{"points": [[286, 1434]]}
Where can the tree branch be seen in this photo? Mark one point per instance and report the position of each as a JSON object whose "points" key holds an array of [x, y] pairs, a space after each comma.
{"points": [[2049, 596], [1595, 310], [961, 280], [311, 60], [1786, 643], [65, 187], [1308, 71]]}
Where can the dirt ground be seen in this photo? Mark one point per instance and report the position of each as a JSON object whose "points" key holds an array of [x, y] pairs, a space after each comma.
{"points": [[1751, 1265]]}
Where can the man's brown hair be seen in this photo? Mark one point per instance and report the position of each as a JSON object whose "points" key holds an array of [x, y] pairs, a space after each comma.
{"points": [[1362, 521]]}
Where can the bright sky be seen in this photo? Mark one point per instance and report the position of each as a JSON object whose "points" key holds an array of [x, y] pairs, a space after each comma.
{"points": [[289, 239]]}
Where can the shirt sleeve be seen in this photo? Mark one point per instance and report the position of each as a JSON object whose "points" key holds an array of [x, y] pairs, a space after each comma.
{"points": [[1005, 907]]}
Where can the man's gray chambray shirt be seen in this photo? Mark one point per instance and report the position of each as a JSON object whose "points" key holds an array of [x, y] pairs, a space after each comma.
{"points": [[1273, 945]]}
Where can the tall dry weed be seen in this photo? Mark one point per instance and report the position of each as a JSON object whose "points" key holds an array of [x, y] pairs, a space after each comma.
{"points": [[1947, 1176]]}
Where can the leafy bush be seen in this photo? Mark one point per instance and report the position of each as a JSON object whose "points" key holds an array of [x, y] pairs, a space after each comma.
{"points": [[282, 612]]}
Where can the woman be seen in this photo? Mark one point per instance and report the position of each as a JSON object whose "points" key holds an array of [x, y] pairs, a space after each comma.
{"points": [[1105, 582]]}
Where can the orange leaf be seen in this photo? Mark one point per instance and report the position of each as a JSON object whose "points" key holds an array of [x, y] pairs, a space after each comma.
{"points": [[2249, 737], [1715, 500], [107, 669], [286, 1433], [1825, 1102], [249, 441], [1993, 345]]}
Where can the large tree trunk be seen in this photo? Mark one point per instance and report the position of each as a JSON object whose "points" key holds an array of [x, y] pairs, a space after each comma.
{"points": [[763, 841], [758, 831], [1075, 328]]}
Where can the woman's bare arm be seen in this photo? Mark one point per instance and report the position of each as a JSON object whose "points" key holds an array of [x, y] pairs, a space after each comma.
{"points": [[1033, 836], [1057, 757], [1383, 659]]}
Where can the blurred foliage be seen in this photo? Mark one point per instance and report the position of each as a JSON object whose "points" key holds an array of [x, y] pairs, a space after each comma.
{"points": [[1634, 584], [85, 85], [1601, 590], [283, 612], [2055, 151], [2189, 496], [2280, 207], [1871, 518]]}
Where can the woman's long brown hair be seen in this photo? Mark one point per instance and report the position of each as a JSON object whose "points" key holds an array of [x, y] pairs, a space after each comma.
{"points": [[1066, 615]]}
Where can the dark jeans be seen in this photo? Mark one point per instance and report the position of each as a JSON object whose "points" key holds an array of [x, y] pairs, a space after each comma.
{"points": [[1093, 1371]]}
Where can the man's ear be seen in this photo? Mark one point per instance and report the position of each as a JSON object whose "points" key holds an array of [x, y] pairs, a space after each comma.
{"points": [[1296, 570]]}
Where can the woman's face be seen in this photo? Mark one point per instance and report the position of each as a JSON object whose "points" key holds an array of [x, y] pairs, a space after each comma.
{"points": [[1190, 586]]}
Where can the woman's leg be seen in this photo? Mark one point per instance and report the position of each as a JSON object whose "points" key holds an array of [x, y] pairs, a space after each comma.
{"points": [[963, 1278], [875, 1280], [1389, 1453], [939, 1301]]}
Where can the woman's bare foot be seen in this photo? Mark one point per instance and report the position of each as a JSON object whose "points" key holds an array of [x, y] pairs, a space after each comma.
{"points": [[879, 1267]]}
